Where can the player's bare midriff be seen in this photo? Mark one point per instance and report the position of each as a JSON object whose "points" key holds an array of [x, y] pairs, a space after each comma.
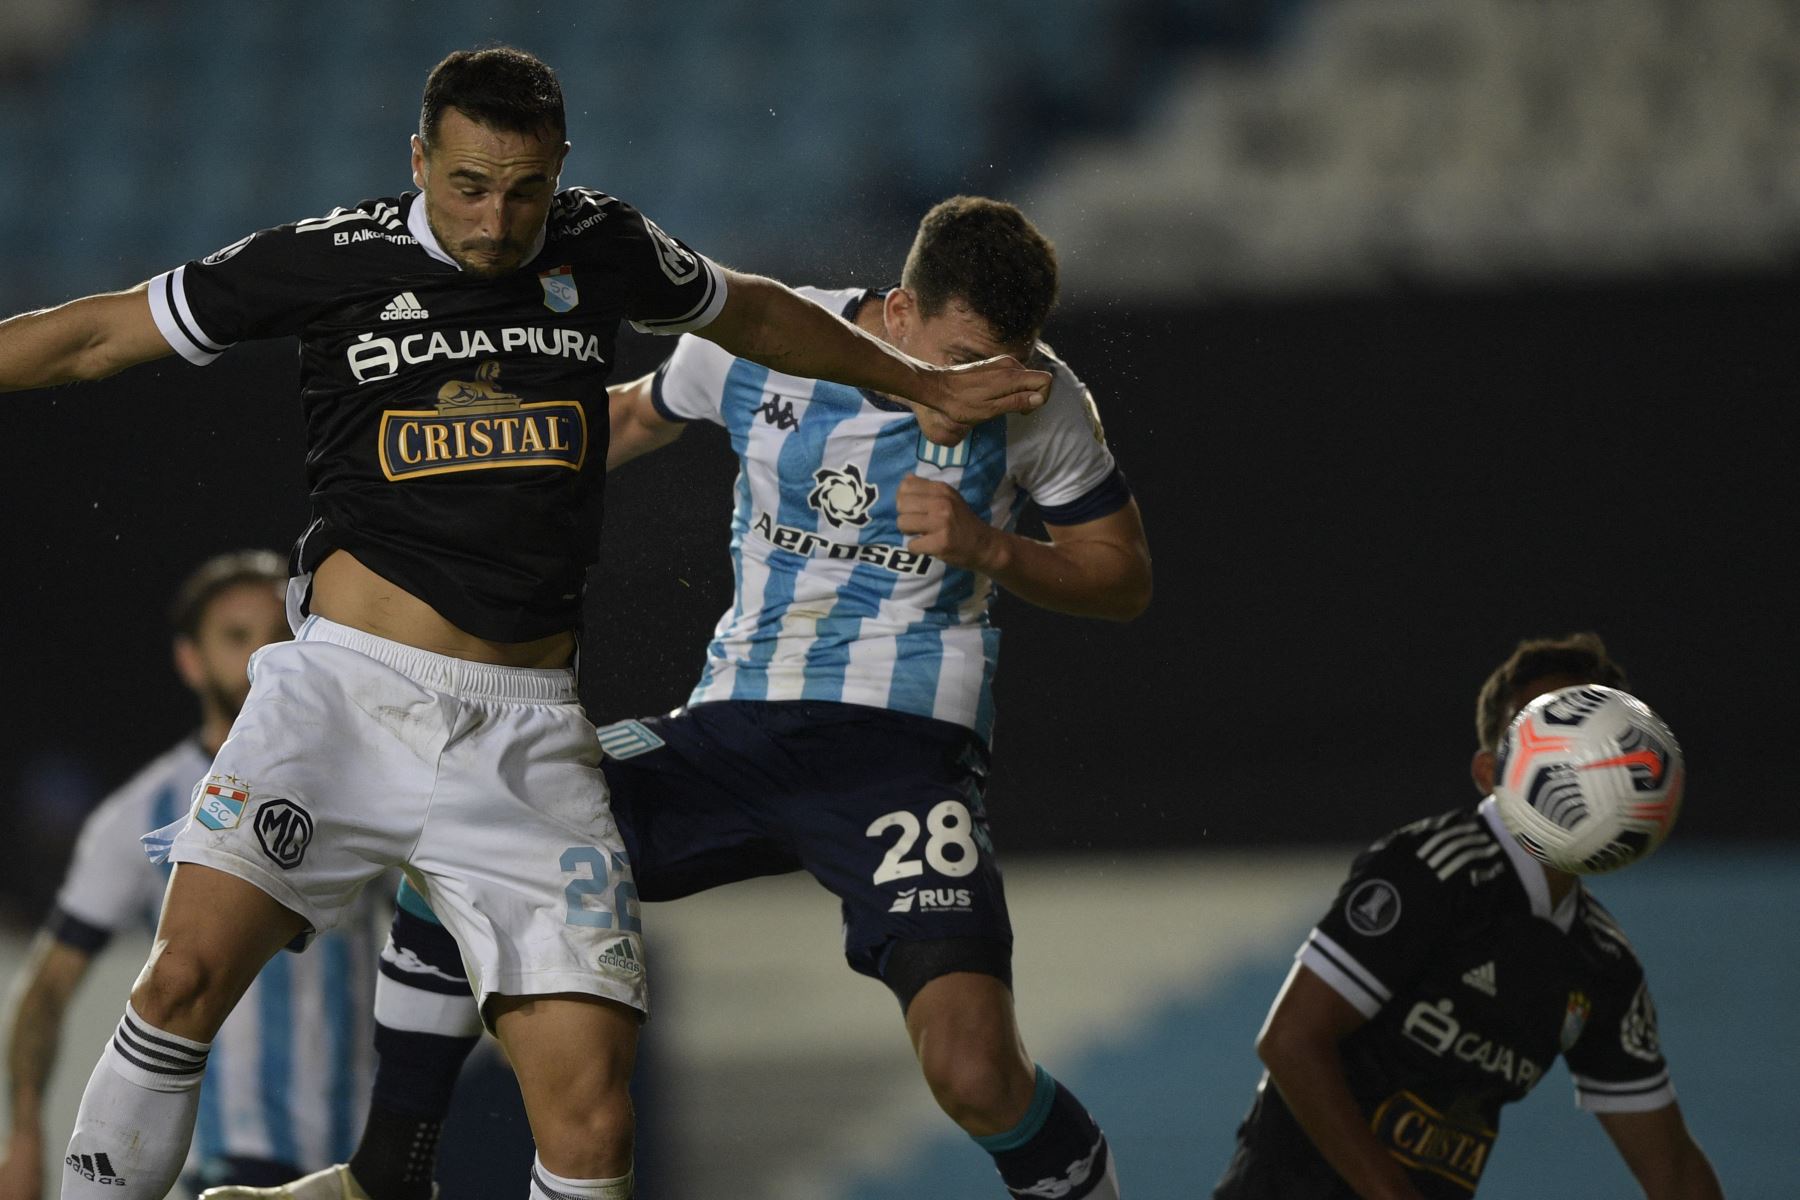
{"points": [[346, 591]]}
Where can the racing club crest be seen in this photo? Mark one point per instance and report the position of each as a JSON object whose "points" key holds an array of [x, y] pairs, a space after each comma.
{"points": [[559, 289]]}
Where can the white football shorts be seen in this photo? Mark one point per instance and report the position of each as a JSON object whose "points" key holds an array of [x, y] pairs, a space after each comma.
{"points": [[354, 754]]}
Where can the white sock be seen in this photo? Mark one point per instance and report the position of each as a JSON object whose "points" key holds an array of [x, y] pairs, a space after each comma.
{"points": [[546, 1186], [137, 1115]]}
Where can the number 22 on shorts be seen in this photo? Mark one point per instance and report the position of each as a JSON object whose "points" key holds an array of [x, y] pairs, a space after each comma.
{"points": [[595, 883], [949, 826]]}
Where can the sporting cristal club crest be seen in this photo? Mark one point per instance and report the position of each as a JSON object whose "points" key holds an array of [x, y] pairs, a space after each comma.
{"points": [[559, 289]]}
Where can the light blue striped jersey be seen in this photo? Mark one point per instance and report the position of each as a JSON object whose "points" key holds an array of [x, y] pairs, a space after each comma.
{"points": [[829, 603], [289, 1074]]}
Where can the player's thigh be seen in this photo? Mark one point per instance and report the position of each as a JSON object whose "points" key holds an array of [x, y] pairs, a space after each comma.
{"points": [[573, 1056], [522, 862], [323, 782], [898, 830], [689, 792]]}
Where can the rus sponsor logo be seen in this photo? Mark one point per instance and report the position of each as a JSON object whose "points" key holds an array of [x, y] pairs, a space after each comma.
{"points": [[371, 357], [476, 427]]}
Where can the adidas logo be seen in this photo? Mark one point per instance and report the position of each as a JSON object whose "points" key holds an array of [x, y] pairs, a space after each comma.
{"points": [[95, 1168], [621, 957], [1481, 978], [404, 307]]}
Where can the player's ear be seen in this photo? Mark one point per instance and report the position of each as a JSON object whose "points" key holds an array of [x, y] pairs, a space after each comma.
{"points": [[1481, 770], [187, 663], [418, 161], [900, 310]]}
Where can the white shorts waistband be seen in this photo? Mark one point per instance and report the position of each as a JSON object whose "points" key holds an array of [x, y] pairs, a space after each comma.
{"points": [[443, 673]]}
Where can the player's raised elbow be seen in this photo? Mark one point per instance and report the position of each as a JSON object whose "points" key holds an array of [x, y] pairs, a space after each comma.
{"points": [[1129, 594]]}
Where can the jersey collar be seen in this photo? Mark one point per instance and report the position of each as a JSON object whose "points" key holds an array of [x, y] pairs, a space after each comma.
{"points": [[420, 228], [1530, 872]]}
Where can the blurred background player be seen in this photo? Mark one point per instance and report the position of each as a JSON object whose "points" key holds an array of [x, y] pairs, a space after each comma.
{"points": [[842, 722], [1448, 975], [287, 1078]]}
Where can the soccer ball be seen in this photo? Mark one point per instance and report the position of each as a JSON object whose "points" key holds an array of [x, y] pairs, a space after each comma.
{"points": [[1588, 779]]}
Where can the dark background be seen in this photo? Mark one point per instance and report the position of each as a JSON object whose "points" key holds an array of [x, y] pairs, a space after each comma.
{"points": [[1355, 506]]}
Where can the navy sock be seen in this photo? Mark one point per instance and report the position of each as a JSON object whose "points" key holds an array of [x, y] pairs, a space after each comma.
{"points": [[1056, 1150], [421, 986]]}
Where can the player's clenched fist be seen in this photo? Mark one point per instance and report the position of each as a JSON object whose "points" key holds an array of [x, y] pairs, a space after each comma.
{"points": [[939, 522], [980, 391]]}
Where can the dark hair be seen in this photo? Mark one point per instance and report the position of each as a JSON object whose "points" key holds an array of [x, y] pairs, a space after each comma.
{"points": [[1581, 656], [500, 87], [214, 576], [986, 254]]}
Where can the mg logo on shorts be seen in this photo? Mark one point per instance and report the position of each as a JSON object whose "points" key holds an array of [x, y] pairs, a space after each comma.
{"points": [[285, 830]]}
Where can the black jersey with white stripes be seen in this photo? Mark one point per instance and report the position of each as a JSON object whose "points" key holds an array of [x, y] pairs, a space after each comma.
{"points": [[456, 425], [1444, 937]]}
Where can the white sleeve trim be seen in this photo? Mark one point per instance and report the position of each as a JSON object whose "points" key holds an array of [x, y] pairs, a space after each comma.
{"points": [[175, 319], [1347, 977], [1641, 1095], [702, 314]]}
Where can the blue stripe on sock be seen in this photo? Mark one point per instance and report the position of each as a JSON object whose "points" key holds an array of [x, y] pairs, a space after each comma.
{"points": [[1030, 1125], [410, 900], [276, 1081]]}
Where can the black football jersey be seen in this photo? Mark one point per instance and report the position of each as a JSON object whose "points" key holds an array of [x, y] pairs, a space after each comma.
{"points": [[1444, 938], [456, 425]]}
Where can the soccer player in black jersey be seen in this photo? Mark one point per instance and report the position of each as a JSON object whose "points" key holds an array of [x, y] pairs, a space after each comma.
{"points": [[1450, 971], [454, 348]]}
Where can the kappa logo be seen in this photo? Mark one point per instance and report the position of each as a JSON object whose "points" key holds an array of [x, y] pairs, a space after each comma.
{"points": [[404, 307], [1482, 978], [95, 1168], [620, 956], [934, 900], [1055, 1187], [845, 497], [779, 413], [285, 831]]}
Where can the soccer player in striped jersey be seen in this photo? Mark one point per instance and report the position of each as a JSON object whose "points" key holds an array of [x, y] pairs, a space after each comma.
{"points": [[287, 1079], [842, 720], [1449, 973]]}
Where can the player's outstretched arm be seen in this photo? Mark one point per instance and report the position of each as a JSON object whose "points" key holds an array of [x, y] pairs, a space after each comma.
{"points": [[89, 338], [1299, 1046], [636, 427], [1664, 1157], [40, 997], [1098, 568], [771, 324]]}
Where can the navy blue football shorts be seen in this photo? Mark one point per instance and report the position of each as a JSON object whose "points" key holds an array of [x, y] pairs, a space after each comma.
{"points": [[883, 808]]}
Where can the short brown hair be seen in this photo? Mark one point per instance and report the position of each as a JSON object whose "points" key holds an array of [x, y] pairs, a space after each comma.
{"points": [[501, 87], [1581, 656], [986, 254], [214, 576]]}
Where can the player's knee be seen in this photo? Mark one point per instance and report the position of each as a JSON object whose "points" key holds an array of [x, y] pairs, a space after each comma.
{"points": [[184, 992], [587, 1140], [976, 1080]]}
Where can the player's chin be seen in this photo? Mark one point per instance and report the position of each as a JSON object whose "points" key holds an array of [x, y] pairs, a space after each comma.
{"points": [[488, 266]]}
